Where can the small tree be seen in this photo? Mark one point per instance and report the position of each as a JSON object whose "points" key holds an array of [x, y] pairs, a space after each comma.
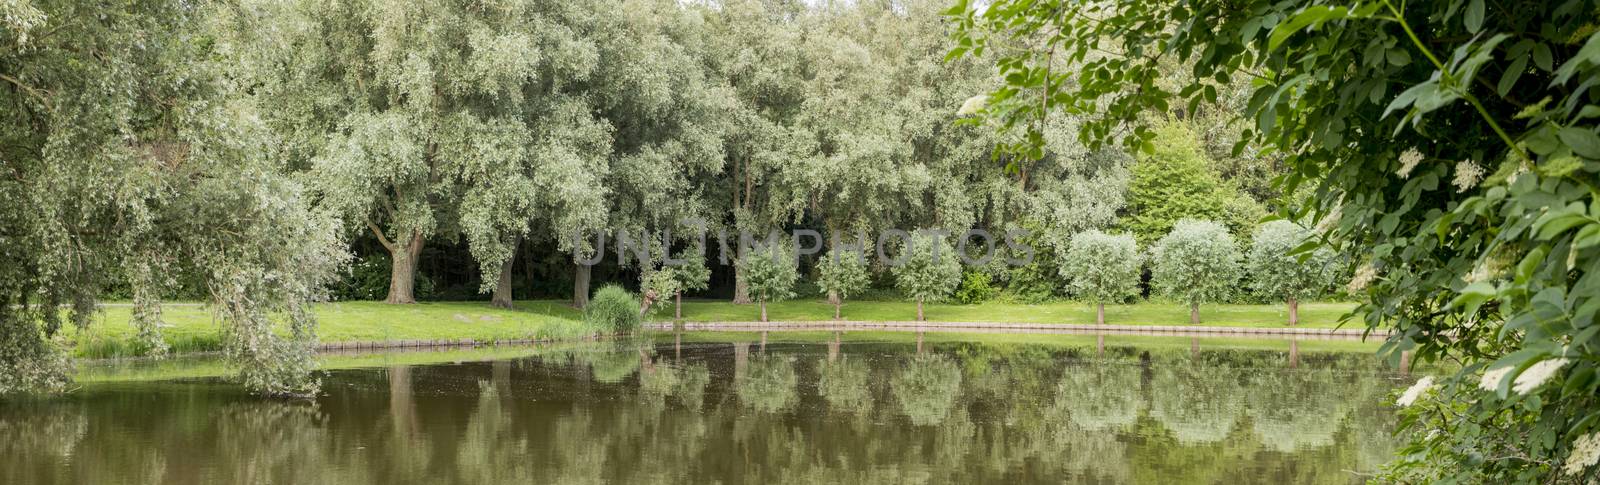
{"points": [[692, 275], [1102, 267], [1195, 263], [654, 286], [929, 271], [770, 274], [842, 274], [1277, 275]]}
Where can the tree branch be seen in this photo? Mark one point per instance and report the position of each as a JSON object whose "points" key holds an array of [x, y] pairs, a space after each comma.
{"points": [[384, 240]]}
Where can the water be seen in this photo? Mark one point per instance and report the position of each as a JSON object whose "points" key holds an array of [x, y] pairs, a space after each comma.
{"points": [[724, 412]]}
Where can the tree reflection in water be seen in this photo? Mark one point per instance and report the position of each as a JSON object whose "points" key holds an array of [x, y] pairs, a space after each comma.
{"points": [[621, 413]]}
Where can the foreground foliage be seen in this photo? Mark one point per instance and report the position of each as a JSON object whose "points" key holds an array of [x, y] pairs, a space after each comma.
{"points": [[1448, 146], [131, 158]]}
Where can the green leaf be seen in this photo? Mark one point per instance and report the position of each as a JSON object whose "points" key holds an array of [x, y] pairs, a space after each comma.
{"points": [[1583, 142], [1587, 237], [1557, 225], [1311, 16], [1474, 16], [1473, 297], [1511, 75]]}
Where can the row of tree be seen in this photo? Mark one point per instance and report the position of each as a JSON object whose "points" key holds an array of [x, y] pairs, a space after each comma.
{"points": [[505, 132], [1197, 262]]}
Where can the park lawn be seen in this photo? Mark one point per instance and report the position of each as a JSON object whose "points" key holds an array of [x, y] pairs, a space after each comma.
{"points": [[1312, 315], [191, 327]]}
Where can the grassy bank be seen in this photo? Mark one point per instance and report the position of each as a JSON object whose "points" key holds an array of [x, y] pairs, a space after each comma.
{"points": [[191, 328], [1313, 315]]}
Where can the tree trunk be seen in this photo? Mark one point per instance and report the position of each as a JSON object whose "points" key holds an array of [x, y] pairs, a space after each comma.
{"points": [[836, 305], [919, 309], [677, 307], [1294, 311], [1100, 314], [403, 271], [741, 290], [763, 310], [580, 286], [1194, 313], [502, 289]]}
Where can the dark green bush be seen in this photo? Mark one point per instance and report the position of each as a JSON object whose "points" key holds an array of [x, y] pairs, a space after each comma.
{"points": [[613, 309], [975, 288]]}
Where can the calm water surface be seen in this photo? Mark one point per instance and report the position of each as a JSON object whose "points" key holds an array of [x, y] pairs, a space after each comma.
{"points": [[732, 412]]}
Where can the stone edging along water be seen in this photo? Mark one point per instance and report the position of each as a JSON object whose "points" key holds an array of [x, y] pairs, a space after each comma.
{"points": [[908, 326], [999, 327]]}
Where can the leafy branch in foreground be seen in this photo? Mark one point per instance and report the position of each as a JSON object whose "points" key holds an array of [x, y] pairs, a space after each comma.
{"points": [[1447, 148]]}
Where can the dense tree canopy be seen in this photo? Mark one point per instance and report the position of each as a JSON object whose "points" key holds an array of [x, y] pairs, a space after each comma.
{"points": [[458, 149]]}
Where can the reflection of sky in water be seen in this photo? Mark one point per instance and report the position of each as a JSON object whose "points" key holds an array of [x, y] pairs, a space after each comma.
{"points": [[785, 413]]}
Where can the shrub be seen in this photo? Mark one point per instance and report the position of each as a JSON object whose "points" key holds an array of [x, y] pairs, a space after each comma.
{"points": [[1102, 268], [1277, 275], [975, 288], [613, 309], [1196, 263], [923, 276]]}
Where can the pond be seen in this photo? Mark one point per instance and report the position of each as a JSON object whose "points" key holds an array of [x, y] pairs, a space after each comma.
{"points": [[736, 408]]}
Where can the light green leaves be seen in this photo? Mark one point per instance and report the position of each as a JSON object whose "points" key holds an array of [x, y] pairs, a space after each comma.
{"points": [[929, 268], [1102, 268], [1197, 262], [1285, 261]]}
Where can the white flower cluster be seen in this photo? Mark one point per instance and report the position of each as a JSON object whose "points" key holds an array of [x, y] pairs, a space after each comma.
{"points": [[1536, 375], [1585, 453], [1468, 173], [1408, 162], [973, 105], [1330, 220], [1361, 279], [1416, 390], [1491, 379]]}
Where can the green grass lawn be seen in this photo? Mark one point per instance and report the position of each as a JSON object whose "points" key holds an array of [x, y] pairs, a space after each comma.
{"points": [[191, 327], [1314, 315]]}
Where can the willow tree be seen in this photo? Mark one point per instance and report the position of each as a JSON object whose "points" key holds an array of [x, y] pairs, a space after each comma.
{"points": [[1197, 262], [132, 157], [1279, 273], [408, 114], [555, 189], [754, 53], [927, 269], [666, 116], [1102, 268]]}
